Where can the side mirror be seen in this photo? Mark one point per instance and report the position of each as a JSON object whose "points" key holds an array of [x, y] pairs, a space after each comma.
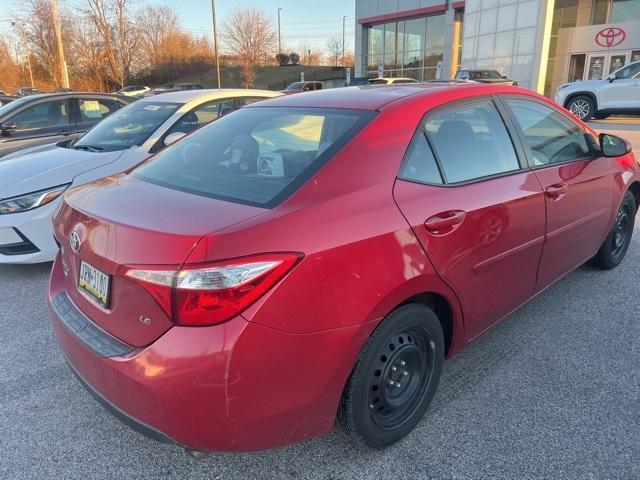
{"points": [[504, 76], [611, 77], [173, 138], [8, 127], [612, 146]]}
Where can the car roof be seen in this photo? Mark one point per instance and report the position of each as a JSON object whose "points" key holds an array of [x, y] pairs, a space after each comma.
{"points": [[185, 96], [75, 94], [365, 97]]}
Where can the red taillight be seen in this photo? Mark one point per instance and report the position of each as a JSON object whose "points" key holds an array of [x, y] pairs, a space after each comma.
{"points": [[213, 293]]}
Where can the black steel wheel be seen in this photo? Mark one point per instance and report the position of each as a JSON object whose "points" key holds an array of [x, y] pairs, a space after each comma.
{"points": [[395, 377], [615, 246]]}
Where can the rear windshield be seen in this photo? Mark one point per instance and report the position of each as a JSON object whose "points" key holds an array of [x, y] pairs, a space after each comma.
{"points": [[256, 156]]}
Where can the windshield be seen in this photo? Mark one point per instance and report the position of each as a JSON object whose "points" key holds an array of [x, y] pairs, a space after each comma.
{"points": [[482, 74], [295, 86], [127, 127], [257, 156], [13, 105]]}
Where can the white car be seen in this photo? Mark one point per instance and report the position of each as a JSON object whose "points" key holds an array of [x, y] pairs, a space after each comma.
{"points": [[134, 90], [33, 180], [619, 93]]}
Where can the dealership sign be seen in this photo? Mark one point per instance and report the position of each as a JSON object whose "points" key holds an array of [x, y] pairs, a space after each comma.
{"points": [[610, 37]]}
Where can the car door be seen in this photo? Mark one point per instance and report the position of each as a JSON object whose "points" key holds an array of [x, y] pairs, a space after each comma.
{"points": [[478, 214], [623, 91], [578, 184], [92, 110], [38, 123]]}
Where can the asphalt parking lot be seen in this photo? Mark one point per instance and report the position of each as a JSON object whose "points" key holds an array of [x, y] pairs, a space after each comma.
{"points": [[552, 392]]}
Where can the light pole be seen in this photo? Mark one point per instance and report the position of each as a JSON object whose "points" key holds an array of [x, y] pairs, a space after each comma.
{"points": [[279, 37], [58, 28], [24, 44], [344, 18], [215, 42]]}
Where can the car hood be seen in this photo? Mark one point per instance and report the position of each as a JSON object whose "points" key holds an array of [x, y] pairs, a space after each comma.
{"points": [[583, 85], [48, 167]]}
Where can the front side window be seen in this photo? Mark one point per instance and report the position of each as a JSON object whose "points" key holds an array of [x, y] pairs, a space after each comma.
{"points": [[551, 136], [629, 72], [257, 156], [201, 115], [129, 126], [471, 141], [41, 115], [94, 110]]}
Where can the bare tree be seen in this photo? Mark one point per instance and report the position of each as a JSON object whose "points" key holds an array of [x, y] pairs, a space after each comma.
{"points": [[36, 28], [249, 34], [334, 48], [157, 24], [310, 55], [119, 34]]}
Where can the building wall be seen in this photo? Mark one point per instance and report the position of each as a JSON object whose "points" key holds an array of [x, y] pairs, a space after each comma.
{"points": [[368, 12], [508, 36]]}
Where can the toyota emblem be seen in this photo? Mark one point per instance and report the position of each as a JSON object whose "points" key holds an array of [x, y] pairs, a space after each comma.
{"points": [[74, 241], [610, 37]]}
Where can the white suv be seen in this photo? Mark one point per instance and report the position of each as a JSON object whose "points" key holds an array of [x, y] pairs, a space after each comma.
{"points": [[619, 93]]}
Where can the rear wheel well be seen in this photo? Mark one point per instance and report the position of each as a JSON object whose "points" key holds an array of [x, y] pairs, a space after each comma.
{"points": [[586, 94], [635, 189], [441, 308]]}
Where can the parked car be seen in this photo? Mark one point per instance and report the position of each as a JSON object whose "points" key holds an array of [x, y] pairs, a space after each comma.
{"points": [[391, 81], [484, 76], [41, 119], [2, 92], [4, 99], [324, 253], [32, 181], [25, 91], [175, 87], [298, 87], [617, 94], [134, 90]]}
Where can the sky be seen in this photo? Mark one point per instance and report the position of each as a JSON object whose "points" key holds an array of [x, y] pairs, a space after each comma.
{"points": [[315, 21]]}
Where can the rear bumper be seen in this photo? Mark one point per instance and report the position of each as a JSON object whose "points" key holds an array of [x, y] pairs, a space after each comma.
{"points": [[237, 386], [28, 236]]}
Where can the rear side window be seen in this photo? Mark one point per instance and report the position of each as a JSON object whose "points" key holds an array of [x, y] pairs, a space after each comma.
{"points": [[471, 141], [420, 164], [551, 136], [257, 156], [93, 110]]}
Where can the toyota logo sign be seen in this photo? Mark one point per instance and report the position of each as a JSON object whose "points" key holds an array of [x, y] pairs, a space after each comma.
{"points": [[610, 37], [74, 241]]}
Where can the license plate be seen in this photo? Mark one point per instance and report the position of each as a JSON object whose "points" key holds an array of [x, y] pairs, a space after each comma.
{"points": [[95, 283]]}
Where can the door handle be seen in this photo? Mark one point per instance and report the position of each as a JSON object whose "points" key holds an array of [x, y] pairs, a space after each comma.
{"points": [[444, 222], [557, 191]]}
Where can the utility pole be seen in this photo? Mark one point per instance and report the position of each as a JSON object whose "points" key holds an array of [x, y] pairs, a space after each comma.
{"points": [[58, 28], [24, 44], [215, 42], [344, 18], [279, 37]]}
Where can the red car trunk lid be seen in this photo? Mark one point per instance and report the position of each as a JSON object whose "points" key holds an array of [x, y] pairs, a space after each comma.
{"points": [[122, 222]]}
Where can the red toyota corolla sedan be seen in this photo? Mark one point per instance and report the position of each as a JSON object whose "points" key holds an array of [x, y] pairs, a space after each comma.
{"points": [[318, 256]]}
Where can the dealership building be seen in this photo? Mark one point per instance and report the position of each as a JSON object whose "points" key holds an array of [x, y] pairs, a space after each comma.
{"points": [[539, 43]]}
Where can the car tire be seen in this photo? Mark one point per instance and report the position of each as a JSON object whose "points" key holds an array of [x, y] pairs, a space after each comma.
{"points": [[394, 379], [601, 116], [582, 106], [615, 246]]}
